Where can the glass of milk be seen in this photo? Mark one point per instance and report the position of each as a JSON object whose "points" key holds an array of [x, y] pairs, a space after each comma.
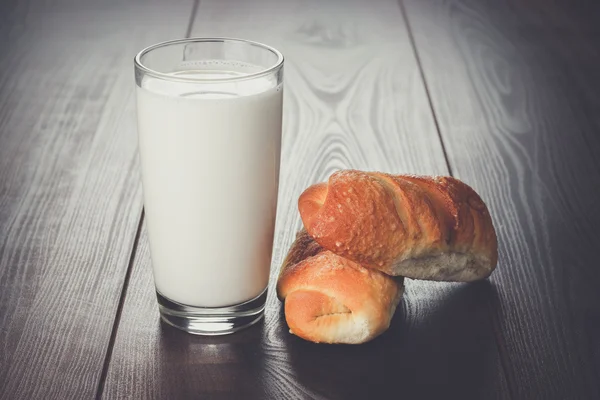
{"points": [[209, 125]]}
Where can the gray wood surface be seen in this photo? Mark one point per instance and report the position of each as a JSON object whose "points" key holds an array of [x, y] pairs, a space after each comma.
{"points": [[353, 99], [502, 94], [70, 197], [517, 104]]}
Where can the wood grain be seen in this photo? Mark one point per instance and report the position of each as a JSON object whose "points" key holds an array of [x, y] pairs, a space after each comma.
{"points": [[515, 89], [353, 98], [69, 186]]}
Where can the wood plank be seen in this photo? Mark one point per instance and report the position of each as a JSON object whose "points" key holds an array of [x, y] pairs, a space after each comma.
{"points": [[70, 197], [353, 98], [515, 89]]}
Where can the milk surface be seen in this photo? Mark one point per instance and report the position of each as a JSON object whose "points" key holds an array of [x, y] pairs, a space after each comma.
{"points": [[210, 170]]}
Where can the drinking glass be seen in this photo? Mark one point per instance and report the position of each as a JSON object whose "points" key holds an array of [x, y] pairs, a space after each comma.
{"points": [[209, 128]]}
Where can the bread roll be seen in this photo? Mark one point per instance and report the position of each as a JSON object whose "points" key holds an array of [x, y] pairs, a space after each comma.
{"points": [[434, 228], [330, 299]]}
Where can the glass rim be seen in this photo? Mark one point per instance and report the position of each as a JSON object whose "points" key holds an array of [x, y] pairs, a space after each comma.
{"points": [[166, 76]]}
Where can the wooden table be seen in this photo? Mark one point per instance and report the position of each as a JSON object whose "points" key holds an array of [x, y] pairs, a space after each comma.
{"points": [[502, 94]]}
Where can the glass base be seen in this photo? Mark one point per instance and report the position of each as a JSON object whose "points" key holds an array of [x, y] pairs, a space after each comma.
{"points": [[212, 320]]}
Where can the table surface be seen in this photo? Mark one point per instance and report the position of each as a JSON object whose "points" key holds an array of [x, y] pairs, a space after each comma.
{"points": [[503, 94]]}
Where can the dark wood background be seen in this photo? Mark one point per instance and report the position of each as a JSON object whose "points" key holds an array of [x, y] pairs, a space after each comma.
{"points": [[504, 94]]}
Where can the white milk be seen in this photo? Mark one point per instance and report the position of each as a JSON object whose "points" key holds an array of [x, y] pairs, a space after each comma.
{"points": [[210, 168]]}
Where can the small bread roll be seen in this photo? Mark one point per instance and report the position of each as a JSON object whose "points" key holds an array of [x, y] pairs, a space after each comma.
{"points": [[434, 228], [330, 299]]}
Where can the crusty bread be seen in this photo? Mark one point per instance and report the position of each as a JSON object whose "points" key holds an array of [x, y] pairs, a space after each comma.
{"points": [[434, 228], [330, 299]]}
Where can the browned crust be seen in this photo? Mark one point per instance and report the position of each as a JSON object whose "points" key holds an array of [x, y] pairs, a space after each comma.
{"points": [[384, 221], [303, 247], [311, 200], [331, 299]]}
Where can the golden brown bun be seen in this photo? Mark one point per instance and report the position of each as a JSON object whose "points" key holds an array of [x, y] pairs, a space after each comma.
{"points": [[330, 299], [434, 228]]}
